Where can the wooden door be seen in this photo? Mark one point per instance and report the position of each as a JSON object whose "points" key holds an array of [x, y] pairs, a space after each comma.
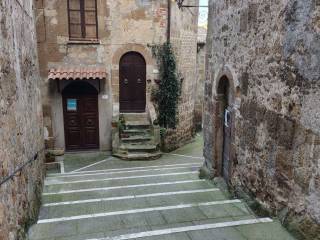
{"points": [[132, 83], [226, 145], [81, 121]]}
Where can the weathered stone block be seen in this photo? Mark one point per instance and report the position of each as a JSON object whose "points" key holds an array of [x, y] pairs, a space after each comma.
{"points": [[271, 68]]}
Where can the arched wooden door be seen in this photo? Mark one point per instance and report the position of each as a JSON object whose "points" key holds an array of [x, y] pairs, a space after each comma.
{"points": [[226, 144], [132, 83], [81, 116], [225, 112]]}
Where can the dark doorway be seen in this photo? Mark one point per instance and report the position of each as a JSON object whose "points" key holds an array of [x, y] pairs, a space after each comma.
{"points": [[132, 83], [225, 109], [81, 118], [226, 144]]}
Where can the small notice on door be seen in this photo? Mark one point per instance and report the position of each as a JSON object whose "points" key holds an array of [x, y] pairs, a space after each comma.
{"points": [[105, 97], [72, 104]]}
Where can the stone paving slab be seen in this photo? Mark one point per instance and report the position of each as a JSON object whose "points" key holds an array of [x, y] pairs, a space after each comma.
{"points": [[269, 231], [219, 234], [166, 159], [79, 160], [165, 219]]}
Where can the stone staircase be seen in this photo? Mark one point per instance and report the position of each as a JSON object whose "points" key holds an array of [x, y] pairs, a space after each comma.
{"points": [[161, 200], [139, 140]]}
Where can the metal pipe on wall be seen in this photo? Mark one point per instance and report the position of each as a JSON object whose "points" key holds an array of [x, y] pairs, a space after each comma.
{"points": [[169, 22]]}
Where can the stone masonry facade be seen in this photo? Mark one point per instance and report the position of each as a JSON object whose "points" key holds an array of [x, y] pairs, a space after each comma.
{"points": [[21, 135], [123, 26], [268, 54], [201, 76], [184, 29]]}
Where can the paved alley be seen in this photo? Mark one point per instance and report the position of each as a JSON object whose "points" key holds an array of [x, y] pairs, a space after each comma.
{"points": [[163, 199]]}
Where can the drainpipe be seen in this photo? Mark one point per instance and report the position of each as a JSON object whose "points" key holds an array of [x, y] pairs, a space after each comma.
{"points": [[169, 22]]}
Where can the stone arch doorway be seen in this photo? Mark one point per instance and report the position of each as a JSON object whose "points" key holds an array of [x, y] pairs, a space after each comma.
{"points": [[132, 83], [224, 138], [81, 116]]}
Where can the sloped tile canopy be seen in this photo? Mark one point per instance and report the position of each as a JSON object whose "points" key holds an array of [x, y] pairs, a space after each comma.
{"points": [[77, 73], [67, 75]]}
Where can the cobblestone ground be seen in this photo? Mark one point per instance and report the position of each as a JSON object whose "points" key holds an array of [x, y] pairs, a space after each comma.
{"points": [[163, 199]]}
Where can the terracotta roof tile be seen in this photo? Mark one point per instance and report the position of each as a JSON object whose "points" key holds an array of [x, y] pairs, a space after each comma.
{"points": [[74, 73]]}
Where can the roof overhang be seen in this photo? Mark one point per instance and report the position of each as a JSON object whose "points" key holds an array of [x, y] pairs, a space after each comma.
{"points": [[77, 73], [67, 75]]}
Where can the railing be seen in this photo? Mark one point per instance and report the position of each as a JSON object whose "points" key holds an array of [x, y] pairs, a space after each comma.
{"points": [[19, 169]]}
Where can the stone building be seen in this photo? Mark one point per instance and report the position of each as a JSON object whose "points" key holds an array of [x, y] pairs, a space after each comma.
{"points": [[262, 105], [21, 134], [97, 63], [201, 76]]}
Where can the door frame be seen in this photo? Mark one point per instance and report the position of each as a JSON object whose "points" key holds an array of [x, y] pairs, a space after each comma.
{"points": [[223, 101], [226, 144], [65, 96]]}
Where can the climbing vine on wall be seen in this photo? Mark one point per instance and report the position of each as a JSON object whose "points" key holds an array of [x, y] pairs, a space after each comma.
{"points": [[167, 94]]}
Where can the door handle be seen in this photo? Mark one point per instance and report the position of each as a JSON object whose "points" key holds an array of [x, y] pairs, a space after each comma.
{"points": [[126, 81], [139, 80]]}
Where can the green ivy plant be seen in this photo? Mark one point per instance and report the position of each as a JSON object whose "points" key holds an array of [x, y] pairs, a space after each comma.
{"points": [[121, 123], [166, 96]]}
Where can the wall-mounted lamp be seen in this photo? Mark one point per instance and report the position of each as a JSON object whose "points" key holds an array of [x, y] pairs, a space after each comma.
{"points": [[180, 5]]}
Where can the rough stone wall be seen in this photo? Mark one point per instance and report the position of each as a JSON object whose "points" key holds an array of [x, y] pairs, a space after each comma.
{"points": [[184, 29], [123, 26], [270, 52], [21, 135], [201, 75]]}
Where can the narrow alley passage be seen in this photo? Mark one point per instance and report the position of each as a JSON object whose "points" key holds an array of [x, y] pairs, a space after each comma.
{"points": [[162, 199]]}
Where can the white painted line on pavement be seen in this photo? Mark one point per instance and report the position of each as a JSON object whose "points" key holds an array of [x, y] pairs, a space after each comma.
{"points": [[180, 155], [133, 211], [186, 229], [62, 167], [123, 187], [91, 165], [120, 169], [118, 172], [119, 178], [131, 197]]}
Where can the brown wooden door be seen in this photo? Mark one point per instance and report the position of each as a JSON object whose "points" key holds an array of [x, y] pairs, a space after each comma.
{"points": [[226, 145], [132, 83], [81, 121]]}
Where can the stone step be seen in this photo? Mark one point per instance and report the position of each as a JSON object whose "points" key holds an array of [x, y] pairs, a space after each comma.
{"points": [[142, 156], [138, 124], [112, 226], [135, 116], [111, 184], [137, 190], [129, 172], [138, 147], [137, 131], [136, 138], [82, 208]]}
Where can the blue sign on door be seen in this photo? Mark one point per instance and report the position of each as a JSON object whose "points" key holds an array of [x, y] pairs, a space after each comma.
{"points": [[72, 104]]}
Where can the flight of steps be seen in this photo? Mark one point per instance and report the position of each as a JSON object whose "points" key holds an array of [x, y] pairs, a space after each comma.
{"points": [[138, 140]]}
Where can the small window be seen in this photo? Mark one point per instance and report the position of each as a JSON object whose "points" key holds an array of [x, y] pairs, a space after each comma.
{"points": [[83, 24]]}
